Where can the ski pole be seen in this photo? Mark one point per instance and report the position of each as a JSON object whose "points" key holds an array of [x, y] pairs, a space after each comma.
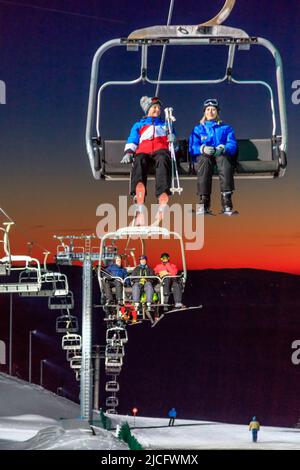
{"points": [[170, 118]]}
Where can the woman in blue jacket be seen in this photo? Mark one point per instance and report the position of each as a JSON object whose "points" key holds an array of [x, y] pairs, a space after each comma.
{"points": [[213, 142]]}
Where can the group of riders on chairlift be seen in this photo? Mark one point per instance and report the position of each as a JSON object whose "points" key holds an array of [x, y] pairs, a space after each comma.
{"points": [[142, 280], [212, 142]]}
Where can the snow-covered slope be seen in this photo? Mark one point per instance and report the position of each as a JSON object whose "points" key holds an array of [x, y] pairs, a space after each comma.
{"points": [[33, 418], [18, 398]]}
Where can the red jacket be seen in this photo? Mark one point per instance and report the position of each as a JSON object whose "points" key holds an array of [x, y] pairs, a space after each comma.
{"points": [[147, 136], [170, 267]]}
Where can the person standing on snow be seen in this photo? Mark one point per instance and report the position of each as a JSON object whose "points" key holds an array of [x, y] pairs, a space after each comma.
{"points": [[172, 415], [213, 142], [254, 426], [148, 144]]}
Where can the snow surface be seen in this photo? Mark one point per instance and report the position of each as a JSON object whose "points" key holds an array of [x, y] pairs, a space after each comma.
{"points": [[154, 433], [34, 418]]}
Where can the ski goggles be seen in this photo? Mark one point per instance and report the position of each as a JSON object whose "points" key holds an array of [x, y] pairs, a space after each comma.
{"points": [[211, 102]]}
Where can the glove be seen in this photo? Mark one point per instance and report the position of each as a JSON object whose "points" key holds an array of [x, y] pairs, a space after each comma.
{"points": [[128, 158], [171, 138], [219, 150], [142, 281], [208, 150], [163, 273]]}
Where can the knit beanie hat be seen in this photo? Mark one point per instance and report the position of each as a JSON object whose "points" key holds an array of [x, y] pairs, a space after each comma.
{"points": [[146, 102]]}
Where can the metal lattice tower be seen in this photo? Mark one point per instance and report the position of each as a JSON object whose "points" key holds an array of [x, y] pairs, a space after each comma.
{"points": [[67, 253]]}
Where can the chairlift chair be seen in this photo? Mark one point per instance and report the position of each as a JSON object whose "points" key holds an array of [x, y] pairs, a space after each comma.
{"points": [[112, 411], [113, 369], [116, 333], [112, 401], [63, 302], [144, 232], [53, 284], [66, 323], [29, 265], [18, 263], [59, 281], [112, 386], [114, 350], [71, 341], [113, 361], [258, 158], [75, 362], [46, 290]]}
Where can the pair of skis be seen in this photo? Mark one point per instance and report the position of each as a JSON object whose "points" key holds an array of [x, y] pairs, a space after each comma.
{"points": [[182, 309]]}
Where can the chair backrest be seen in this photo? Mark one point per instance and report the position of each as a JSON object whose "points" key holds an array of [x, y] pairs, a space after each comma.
{"points": [[255, 150], [258, 153]]}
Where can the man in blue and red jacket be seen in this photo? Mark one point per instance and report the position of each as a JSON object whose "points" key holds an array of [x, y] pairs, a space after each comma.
{"points": [[148, 143]]}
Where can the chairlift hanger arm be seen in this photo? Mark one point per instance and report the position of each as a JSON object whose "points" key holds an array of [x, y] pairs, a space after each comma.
{"points": [[92, 96]]}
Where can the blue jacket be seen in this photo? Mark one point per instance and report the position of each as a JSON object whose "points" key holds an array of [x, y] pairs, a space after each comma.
{"points": [[212, 133], [115, 270], [172, 413]]}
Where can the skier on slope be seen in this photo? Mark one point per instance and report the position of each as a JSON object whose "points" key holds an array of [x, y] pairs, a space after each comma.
{"points": [[254, 426]]}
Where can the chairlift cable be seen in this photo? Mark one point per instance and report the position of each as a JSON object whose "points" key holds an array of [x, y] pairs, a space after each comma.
{"points": [[64, 12], [163, 54]]}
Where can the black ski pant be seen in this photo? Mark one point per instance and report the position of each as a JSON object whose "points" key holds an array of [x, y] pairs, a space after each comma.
{"points": [[172, 421], [108, 284], [205, 168], [162, 163], [175, 284]]}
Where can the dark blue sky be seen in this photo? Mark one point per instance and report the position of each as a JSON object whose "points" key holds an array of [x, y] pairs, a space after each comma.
{"points": [[45, 61]]}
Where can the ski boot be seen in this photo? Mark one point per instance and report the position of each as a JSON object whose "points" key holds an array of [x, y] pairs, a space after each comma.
{"points": [[204, 208], [179, 305], [226, 202]]}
